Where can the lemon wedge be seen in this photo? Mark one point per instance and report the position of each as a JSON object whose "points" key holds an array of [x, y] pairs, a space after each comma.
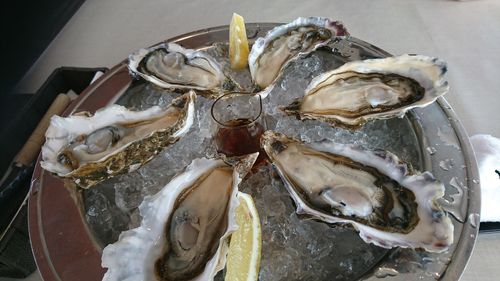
{"points": [[238, 43], [243, 259]]}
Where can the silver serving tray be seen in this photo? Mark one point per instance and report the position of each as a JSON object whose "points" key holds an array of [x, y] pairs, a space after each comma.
{"points": [[440, 143]]}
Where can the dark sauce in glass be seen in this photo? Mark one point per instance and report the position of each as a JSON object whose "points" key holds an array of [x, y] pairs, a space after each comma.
{"points": [[240, 137]]}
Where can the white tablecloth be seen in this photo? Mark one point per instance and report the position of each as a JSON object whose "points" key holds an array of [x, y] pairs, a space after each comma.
{"points": [[465, 34]]}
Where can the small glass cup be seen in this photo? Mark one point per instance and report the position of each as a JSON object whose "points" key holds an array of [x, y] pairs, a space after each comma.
{"points": [[239, 124]]}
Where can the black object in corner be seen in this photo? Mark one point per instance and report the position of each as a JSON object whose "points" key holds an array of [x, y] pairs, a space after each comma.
{"points": [[27, 28], [488, 227], [23, 114]]}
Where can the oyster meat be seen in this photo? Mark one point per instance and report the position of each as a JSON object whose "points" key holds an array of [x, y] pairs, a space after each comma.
{"points": [[115, 140], [185, 226], [388, 203], [285, 43], [170, 66], [372, 89]]}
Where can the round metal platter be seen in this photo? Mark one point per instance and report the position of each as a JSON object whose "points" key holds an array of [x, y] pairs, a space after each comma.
{"points": [[67, 248]]}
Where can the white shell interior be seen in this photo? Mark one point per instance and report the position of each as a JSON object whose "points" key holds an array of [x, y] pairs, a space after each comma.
{"points": [[136, 58], [133, 256], [427, 71], [62, 130], [432, 234], [262, 43]]}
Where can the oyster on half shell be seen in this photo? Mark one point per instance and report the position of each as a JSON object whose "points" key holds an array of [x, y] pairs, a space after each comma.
{"points": [[388, 203], [171, 66], [285, 43], [185, 227], [115, 140], [372, 89]]}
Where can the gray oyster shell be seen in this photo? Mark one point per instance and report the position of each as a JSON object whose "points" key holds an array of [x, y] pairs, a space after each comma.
{"points": [[115, 140], [185, 227], [359, 91], [380, 196], [170, 66], [285, 43]]}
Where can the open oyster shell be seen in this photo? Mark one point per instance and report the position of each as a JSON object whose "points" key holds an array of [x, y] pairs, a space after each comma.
{"points": [[390, 205], [170, 66], [115, 140], [372, 89], [285, 43], [185, 226]]}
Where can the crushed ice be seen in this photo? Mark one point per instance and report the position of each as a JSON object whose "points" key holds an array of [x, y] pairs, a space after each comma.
{"points": [[293, 248]]}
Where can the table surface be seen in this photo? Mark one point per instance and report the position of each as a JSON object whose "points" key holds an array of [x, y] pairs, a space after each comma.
{"points": [[465, 34]]}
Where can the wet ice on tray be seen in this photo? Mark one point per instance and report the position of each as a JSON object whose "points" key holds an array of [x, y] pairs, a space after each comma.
{"points": [[292, 246], [106, 219]]}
